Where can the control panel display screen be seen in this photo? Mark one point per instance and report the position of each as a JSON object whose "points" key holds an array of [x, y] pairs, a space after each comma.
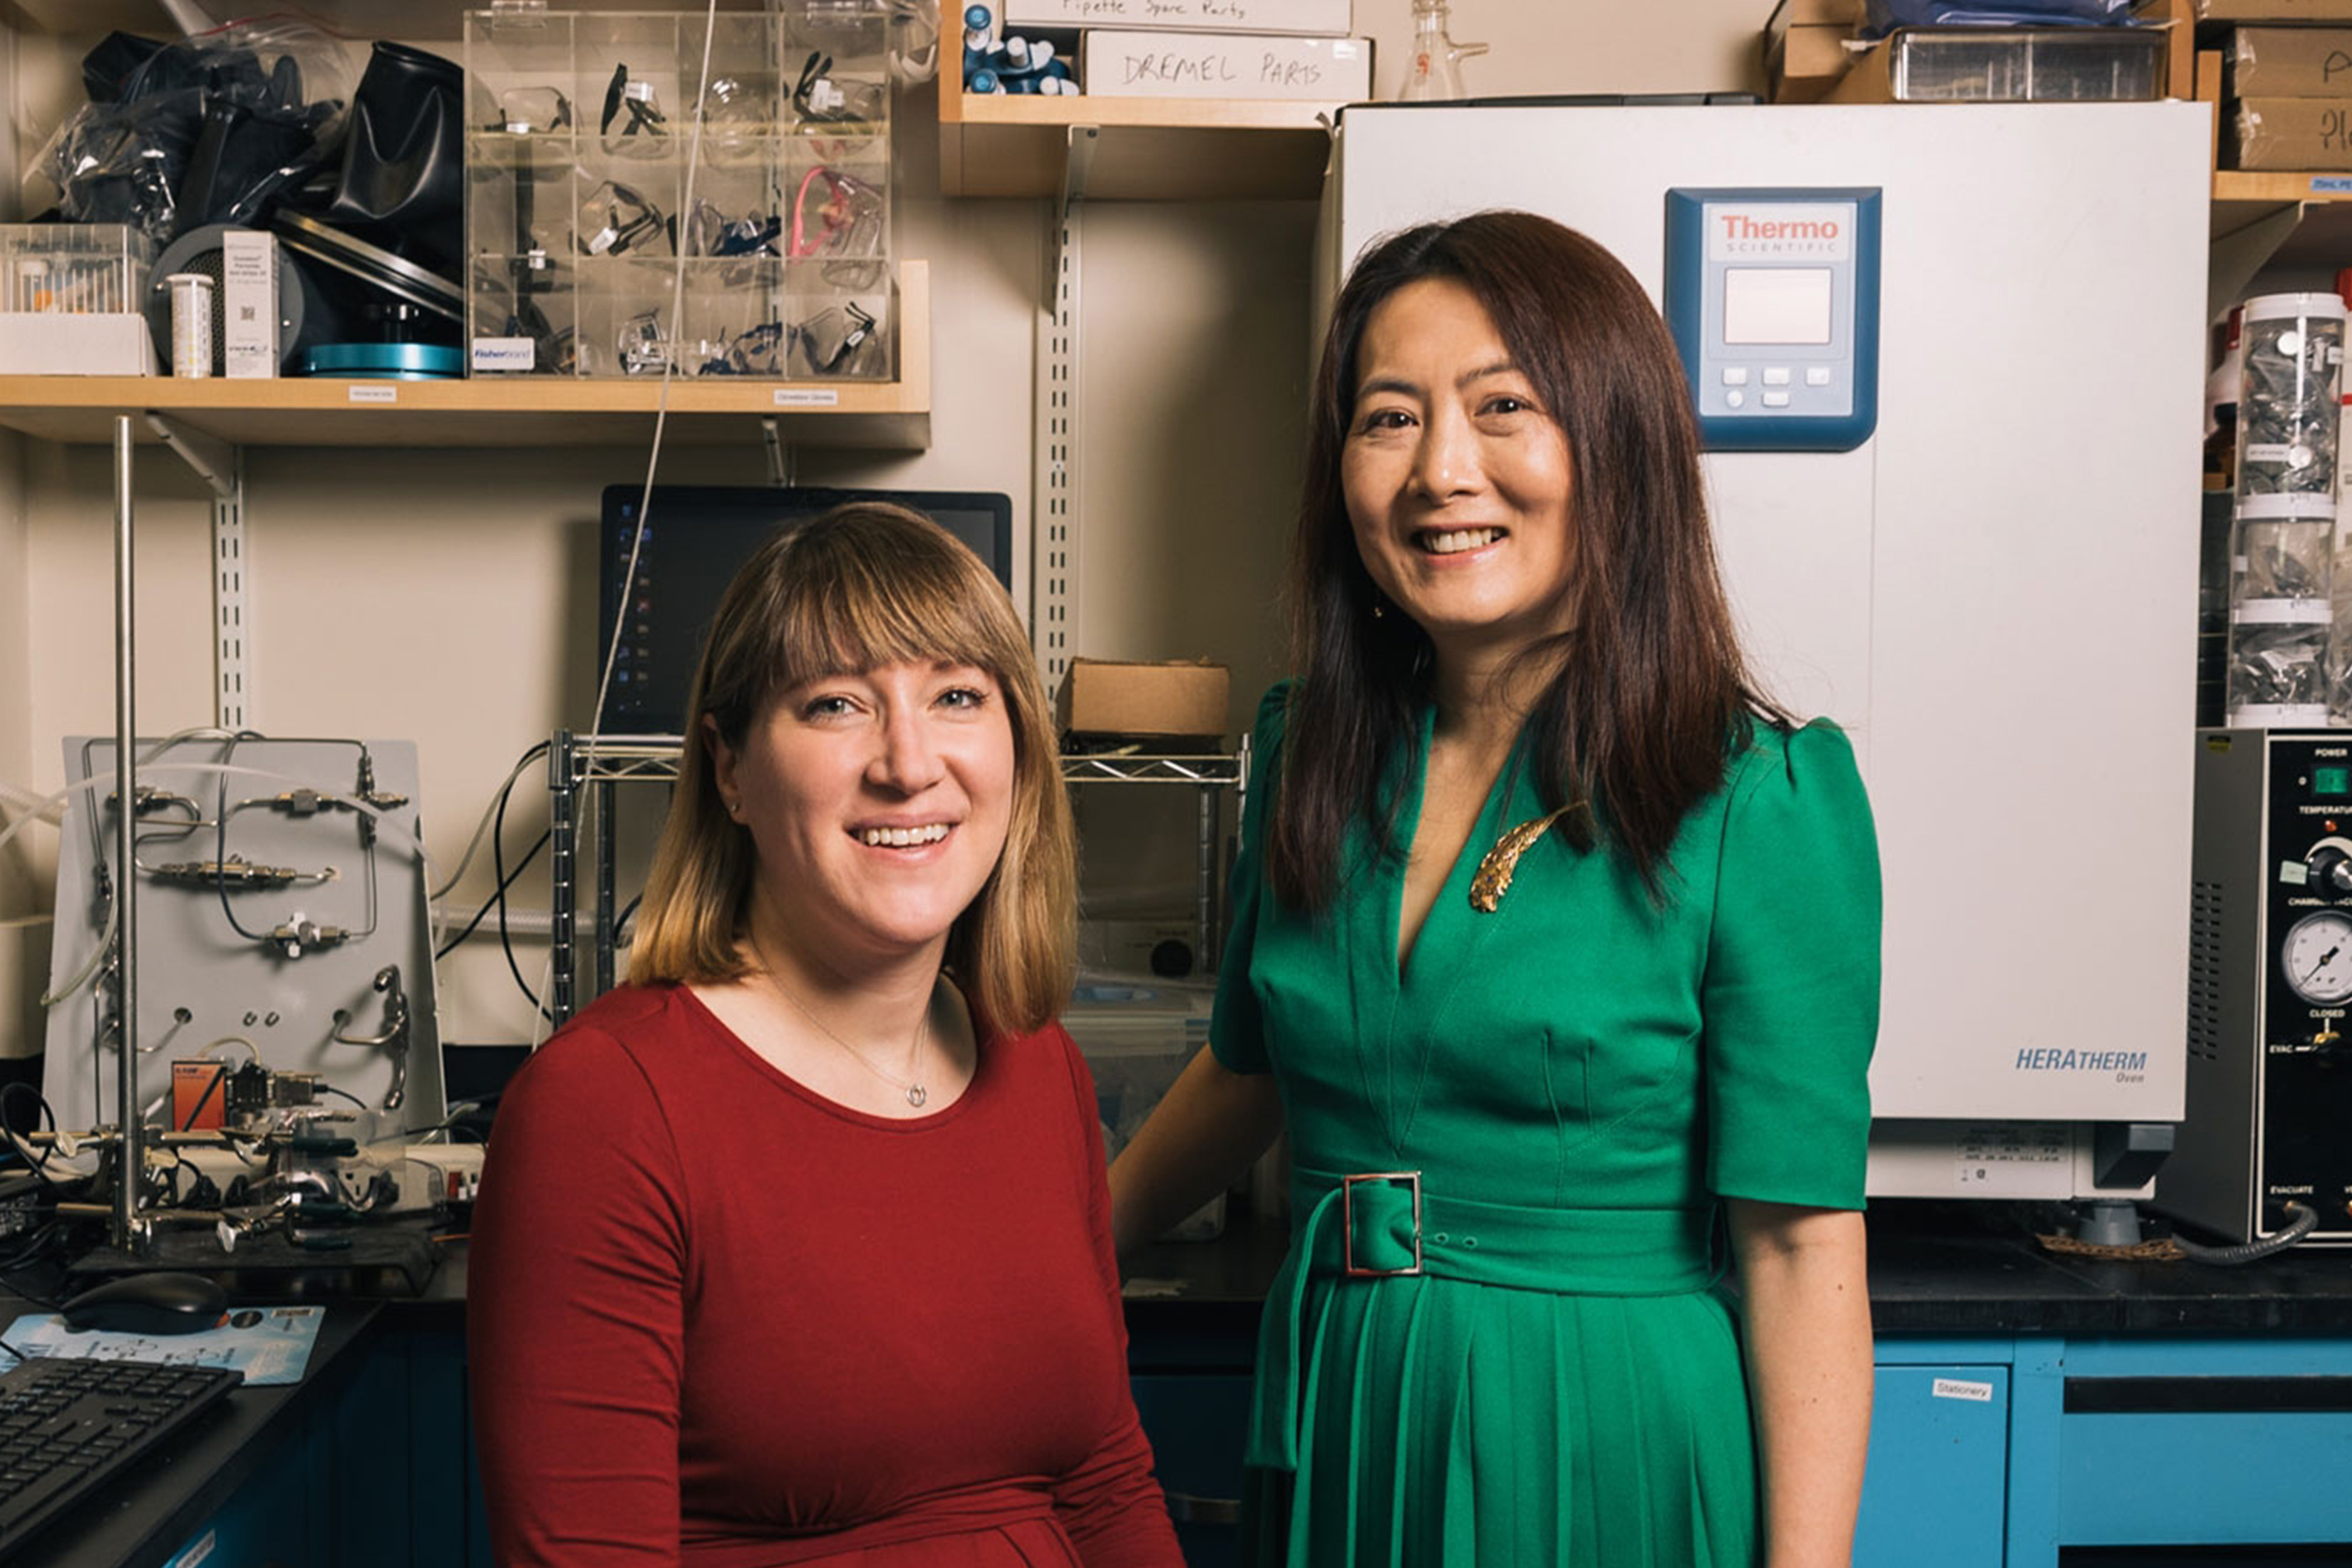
{"points": [[1772, 293], [1776, 305]]}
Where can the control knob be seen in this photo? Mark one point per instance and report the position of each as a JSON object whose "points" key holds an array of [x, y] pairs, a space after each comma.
{"points": [[2331, 869]]}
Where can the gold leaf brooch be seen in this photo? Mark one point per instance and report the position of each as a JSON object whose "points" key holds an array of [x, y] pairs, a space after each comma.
{"points": [[1493, 879]]}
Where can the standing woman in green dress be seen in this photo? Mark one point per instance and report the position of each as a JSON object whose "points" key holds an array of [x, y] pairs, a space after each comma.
{"points": [[1556, 951]]}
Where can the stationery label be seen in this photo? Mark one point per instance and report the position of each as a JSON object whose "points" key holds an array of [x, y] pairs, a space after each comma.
{"points": [[1953, 1388]]}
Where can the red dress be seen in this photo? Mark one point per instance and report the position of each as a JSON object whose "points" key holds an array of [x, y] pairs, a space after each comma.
{"points": [[717, 1319]]}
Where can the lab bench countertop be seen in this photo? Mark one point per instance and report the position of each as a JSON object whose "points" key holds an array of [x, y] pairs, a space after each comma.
{"points": [[1933, 1270], [147, 1515]]}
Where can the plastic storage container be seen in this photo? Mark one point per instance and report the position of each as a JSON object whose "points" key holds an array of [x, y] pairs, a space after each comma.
{"points": [[2291, 355], [2282, 575], [1981, 64], [71, 299], [582, 142], [2291, 351], [1136, 1039]]}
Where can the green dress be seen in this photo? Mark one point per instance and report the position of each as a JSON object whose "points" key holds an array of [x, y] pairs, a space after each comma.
{"points": [[1576, 1079]]}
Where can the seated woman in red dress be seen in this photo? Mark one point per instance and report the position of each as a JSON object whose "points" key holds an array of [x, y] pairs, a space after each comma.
{"points": [[796, 1247]]}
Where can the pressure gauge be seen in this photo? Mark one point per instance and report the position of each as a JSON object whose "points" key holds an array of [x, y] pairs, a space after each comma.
{"points": [[2318, 957]]}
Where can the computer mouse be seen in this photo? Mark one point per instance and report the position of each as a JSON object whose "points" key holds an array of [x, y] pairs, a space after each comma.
{"points": [[149, 1304]]}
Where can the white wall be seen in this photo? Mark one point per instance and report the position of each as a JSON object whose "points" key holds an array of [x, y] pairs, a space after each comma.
{"points": [[447, 597]]}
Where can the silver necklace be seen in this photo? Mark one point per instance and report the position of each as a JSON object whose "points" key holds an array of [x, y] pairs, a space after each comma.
{"points": [[911, 1086]]}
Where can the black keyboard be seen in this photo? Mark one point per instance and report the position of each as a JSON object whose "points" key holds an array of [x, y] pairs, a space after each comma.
{"points": [[69, 1426]]}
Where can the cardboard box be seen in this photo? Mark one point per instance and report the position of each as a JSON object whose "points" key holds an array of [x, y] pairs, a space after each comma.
{"points": [[1120, 64], [1803, 63], [1329, 18], [1804, 47], [1844, 13], [2290, 62], [249, 304], [2275, 10], [1101, 697], [2300, 133]]}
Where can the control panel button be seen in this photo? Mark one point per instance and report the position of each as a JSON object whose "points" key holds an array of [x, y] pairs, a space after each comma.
{"points": [[1776, 376], [1735, 376], [1775, 400], [1737, 399], [1817, 375]]}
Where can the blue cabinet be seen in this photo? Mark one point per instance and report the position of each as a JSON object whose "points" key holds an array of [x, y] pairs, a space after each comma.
{"points": [[1994, 1452], [1939, 1463]]}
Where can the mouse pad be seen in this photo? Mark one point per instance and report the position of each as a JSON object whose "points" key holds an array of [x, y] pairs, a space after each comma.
{"points": [[268, 1345]]}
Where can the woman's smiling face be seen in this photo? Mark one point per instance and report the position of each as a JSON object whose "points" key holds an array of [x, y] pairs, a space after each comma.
{"points": [[878, 802], [1458, 481]]}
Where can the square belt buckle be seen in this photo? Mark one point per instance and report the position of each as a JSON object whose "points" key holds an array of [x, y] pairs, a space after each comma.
{"points": [[1347, 1185]]}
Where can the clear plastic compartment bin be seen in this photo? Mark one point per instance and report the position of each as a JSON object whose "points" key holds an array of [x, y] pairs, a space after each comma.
{"points": [[2029, 65], [69, 299], [584, 129]]}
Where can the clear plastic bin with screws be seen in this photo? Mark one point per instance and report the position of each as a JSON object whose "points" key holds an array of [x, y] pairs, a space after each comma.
{"points": [[2288, 414]]}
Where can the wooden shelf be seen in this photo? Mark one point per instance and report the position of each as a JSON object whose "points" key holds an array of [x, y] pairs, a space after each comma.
{"points": [[414, 19], [1144, 148], [314, 412], [2245, 196]]}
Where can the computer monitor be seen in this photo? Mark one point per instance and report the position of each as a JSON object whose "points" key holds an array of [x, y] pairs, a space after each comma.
{"points": [[700, 535]]}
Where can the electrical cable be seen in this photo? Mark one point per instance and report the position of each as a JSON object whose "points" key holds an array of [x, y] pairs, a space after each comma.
{"points": [[2300, 1218], [475, 843], [644, 511], [498, 898], [41, 1112], [41, 1236], [661, 408], [492, 902]]}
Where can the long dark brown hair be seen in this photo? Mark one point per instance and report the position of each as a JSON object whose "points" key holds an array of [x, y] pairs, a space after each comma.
{"points": [[1648, 696]]}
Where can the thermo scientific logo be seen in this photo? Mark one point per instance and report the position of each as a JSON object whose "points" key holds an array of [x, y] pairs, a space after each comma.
{"points": [[1779, 231], [1739, 228]]}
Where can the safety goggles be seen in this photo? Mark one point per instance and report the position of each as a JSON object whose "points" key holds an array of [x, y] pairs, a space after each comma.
{"points": [[532, 112], [838, 341], [616, 219], [643, 127]]}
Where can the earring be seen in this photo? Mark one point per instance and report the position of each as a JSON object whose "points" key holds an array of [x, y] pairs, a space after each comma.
{"points": [[1380, 611]]}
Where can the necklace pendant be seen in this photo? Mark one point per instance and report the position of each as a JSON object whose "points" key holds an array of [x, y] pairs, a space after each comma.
{"points": [[917, 1095]]}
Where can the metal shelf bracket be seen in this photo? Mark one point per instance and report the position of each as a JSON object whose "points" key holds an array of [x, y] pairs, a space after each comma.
{"points": [[222, 469]]}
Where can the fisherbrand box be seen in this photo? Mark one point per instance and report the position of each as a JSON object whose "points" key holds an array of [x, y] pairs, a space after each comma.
{"points": [[1332, 18], [1115, 64]]}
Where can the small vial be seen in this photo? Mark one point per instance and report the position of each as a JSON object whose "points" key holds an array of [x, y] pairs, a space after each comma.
{"points": [[191, 324]]}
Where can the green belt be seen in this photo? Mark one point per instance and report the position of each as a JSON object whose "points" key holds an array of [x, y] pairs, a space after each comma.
{"points": [[1361, 1229]]}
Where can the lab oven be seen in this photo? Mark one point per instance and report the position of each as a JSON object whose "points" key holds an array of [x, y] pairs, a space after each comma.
{"points": [[2270, 1062], [1961, 520]]}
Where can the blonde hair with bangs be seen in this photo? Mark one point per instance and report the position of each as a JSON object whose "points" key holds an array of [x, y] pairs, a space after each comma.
{"points": [[863, 585]]}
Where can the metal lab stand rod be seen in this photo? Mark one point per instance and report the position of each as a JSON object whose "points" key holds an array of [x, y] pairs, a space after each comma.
{"points": [[126, 882]]}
